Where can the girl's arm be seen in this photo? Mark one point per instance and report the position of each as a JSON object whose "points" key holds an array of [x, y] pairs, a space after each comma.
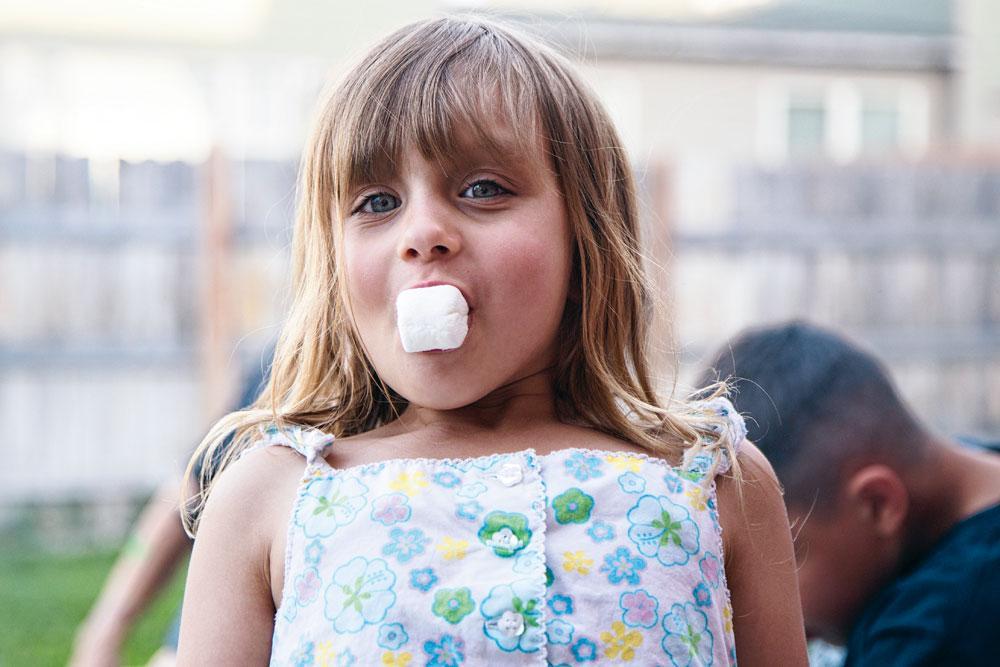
{"points": [[760, 566], [229, 608]]}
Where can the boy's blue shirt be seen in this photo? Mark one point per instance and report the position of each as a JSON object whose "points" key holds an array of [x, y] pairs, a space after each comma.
{"points": [[944, 610]]}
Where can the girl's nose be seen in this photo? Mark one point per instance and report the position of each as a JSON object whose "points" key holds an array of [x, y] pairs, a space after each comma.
{"points": [[428, 235]]}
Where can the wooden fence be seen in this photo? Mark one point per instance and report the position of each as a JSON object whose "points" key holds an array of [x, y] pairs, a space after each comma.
{"points": [[903, 257], [124, 289]]}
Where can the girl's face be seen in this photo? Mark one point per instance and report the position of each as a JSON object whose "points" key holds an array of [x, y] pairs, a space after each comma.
{"points": [[495, 228]]}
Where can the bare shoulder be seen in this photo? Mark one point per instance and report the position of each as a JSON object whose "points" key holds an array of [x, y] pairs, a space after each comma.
{"points": [[749, 502], [760, 564], [229, 600], [250, 503], [250, 486]]}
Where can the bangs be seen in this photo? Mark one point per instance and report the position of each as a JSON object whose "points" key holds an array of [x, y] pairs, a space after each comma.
{"points": [[444, 87]]}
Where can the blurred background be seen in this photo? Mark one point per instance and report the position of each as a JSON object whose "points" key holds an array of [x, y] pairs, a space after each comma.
{"points": [[837, 160]]}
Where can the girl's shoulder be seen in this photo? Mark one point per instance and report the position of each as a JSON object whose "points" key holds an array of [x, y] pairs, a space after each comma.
{"points": [[251, 491], [760, 562], [750, 505]]}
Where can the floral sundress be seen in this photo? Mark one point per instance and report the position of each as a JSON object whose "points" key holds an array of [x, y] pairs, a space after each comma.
{"points": [[578, 556]]}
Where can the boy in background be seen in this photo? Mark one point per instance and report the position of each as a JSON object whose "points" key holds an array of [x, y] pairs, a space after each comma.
{"points": [[898, 528]]}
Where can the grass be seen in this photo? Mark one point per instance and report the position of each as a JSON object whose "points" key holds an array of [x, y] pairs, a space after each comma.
{"points": [[44, 597]]}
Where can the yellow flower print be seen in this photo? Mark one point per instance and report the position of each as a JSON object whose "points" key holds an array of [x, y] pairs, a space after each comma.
{"points": [[727, 618], [578, 561], [698, 498], [452, 549], [325, 655], [624, 462], [409, 483], [401, 659], [621, 644]]}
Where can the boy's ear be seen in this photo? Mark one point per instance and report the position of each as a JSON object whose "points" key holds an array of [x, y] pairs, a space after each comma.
{"points": [[880, 496]]}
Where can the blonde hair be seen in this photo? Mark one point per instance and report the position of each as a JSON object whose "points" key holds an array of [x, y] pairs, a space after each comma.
{"points": [[420, 86]]}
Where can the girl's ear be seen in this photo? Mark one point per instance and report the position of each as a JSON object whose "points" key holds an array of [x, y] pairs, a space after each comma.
{"points": [[880, 497]]}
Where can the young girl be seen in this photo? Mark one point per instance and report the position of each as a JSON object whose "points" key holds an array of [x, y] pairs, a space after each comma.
{"points": [[513, 491]]}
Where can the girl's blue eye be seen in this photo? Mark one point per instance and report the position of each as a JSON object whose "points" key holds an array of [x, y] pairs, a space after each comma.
{"points": [[484, 189], [380, 202]]}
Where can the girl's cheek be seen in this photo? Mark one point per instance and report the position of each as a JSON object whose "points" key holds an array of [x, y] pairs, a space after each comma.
{"points": [[365, 280]]}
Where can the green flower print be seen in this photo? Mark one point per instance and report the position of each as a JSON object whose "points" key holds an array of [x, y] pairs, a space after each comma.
{"points": [[453, 604], [505, 532], [573, 506]]}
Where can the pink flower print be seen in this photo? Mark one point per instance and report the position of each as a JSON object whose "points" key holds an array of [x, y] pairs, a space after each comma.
{"points": [[390, 509], [307, 586], [710, 566], [639, 608]]}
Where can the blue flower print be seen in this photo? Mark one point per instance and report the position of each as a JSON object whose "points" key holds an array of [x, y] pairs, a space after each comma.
{"points": [[662, 529], [528, 561], [447, 479], [631, 483], [702, 596], [584, 466], [423, 579], [405, 544], [688, 640], [328, 504], [674, 483], [469, 511], [314, 552], [513, 604], [559, 631], [601, 532], [345, 658], [622, 566], [291, 609], [445, 652], [471, 490], [584, 650], [392, 635], [304, 654], [360, 594], [561, 605]]}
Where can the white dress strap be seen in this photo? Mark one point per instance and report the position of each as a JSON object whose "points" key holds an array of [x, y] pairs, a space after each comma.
{"points": [[307, 441], [733, 430]]}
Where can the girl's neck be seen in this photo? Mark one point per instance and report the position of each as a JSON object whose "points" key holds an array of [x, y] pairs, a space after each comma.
{"points": [[512, 409]]}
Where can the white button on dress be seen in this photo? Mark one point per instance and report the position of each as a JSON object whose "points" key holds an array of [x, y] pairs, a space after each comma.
{"points": [[510, 474]]}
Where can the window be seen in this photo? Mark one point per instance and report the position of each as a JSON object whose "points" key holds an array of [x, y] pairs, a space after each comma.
{"points": [[806, 127], [879, 128]]}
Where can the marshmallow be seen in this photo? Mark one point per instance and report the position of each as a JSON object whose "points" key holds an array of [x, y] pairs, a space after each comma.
{"points": [[432, 318]]}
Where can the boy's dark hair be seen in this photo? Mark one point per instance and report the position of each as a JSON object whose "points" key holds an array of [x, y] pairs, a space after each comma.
{"points": [[816, 406]]}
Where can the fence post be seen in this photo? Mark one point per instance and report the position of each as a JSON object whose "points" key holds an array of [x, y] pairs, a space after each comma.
{"points": [[215, 240]]}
